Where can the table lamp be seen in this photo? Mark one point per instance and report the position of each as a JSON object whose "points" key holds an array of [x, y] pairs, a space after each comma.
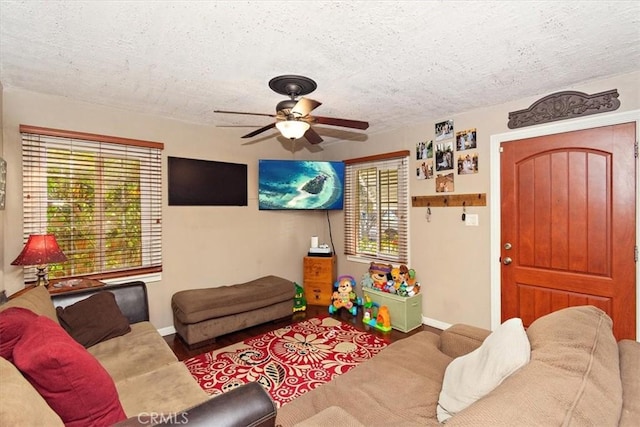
{"points": [[40, 250]]}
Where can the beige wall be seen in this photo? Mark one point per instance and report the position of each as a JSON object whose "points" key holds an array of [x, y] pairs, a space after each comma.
{"points": [[452, 260], [202, 246], [210, 246]]}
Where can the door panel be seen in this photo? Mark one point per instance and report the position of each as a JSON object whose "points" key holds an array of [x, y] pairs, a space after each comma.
{"points": [[568, 211]]}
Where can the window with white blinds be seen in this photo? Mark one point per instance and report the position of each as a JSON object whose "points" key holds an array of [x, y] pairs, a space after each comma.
{"points": [[101, 196], [377, 207]]}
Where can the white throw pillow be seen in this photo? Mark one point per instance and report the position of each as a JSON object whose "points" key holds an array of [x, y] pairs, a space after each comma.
{"points": [[470, 377]]}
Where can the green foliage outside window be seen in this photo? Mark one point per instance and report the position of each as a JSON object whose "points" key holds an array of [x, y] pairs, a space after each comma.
{"points": [[377, 192], [94, 209]]}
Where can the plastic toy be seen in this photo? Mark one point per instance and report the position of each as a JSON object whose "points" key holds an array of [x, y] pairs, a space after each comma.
{"points": [[299, 301], [344, 295], [376, 316]]}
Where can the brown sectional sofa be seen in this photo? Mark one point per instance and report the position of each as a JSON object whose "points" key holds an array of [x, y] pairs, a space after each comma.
{"points": [[148, 377], [578, 375]]}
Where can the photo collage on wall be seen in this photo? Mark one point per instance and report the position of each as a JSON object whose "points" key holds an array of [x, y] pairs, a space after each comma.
{"points": [[451, 151]]}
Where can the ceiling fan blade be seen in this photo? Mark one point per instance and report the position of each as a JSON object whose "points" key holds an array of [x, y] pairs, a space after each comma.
{"points": [[246, 114], [304, 106], [258, 131], [312, 136], [345, 123]]}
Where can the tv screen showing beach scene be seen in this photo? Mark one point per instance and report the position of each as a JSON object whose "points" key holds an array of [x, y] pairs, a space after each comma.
{"points": [[300, 185]]}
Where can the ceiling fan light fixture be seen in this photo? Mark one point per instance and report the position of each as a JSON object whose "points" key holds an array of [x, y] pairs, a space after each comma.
{"points": [[292, 129]]}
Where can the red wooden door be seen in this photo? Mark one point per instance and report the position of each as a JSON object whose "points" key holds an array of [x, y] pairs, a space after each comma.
{"points": [[568, 224]]}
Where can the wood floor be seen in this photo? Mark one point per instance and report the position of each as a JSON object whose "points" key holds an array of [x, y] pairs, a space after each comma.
{"points": [[182, 352]]}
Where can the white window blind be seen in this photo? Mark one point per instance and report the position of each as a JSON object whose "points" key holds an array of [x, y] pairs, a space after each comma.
{"points": [[101, 196], [377, 207]]}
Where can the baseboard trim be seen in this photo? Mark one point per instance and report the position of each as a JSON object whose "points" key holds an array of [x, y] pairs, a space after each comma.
{"points": [[167, 331], [435, 323]]}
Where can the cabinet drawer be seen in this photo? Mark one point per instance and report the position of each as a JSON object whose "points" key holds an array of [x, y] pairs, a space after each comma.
{"points": [[318, 293], [319, 269]]}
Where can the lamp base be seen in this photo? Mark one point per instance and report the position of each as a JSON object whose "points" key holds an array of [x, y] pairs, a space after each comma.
{"points": [[42, 279]]}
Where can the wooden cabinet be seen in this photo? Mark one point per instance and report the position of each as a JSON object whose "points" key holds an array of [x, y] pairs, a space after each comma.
{"points": [[319, 277]]}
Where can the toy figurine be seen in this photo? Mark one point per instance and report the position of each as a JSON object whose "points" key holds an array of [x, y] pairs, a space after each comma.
{"points": [[299, 301], [344, 295], [376, 316]]}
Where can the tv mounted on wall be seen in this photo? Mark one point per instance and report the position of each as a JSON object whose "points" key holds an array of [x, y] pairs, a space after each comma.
{"points": [[206, 183], [300, 185]]}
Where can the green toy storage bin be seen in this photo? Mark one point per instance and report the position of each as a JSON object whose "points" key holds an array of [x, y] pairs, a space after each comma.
{"points": [[405, 312]]}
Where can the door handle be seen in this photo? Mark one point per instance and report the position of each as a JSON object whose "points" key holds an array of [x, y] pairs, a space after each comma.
{"points": [[507, 260]]}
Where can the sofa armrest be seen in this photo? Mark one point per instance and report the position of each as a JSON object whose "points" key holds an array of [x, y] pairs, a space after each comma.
{"points": [[629, 373], [461, 339], [246, 406]]}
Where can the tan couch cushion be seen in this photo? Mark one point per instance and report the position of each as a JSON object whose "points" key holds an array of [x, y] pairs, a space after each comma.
{"points": [[167, 389], [37, 300], [332, 416], [460, 339], [573, 377], [196, 305], [398, 387], [141, 350], [20, 404]]}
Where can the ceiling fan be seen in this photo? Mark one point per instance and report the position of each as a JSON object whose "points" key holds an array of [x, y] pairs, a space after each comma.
{"points": [[293, 118]]}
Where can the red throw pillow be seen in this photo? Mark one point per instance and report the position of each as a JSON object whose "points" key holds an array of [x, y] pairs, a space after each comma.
{"points": [[13, 322], [67, 376]]}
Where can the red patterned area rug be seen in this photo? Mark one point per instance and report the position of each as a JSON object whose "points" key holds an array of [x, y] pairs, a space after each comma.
{"points": [[289, 361]]}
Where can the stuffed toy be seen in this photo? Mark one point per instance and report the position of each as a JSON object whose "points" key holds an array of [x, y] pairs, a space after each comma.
{"points": [[410, 286], [299, 301], [367, 281], [379, 274], [403, 272], [397, 277], [344, 295]]}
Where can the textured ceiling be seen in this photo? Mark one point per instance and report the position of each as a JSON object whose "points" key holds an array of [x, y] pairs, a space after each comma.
{"points": [[387, 62]]}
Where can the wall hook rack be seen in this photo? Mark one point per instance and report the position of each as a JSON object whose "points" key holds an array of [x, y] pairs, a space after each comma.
{"points": [[449, 200]]}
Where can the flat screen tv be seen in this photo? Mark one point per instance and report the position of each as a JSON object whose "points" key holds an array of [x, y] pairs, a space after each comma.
{"points": [[195, 182], [300, 185]]}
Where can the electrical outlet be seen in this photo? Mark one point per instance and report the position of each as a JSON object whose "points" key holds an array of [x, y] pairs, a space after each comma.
{"points": [[471, 220]]}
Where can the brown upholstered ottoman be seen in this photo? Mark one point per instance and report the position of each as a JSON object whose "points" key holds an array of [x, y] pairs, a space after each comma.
{"points": [[201, 315]]}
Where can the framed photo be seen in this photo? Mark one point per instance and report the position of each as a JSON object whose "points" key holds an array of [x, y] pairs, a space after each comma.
{"points": [[444, 130], [424, 169], [466, 140], [467, 163], [444, 156], [424, 150], [444, 183]]}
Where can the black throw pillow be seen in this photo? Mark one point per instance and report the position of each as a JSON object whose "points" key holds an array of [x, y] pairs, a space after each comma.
{"points": [[94, 319]]}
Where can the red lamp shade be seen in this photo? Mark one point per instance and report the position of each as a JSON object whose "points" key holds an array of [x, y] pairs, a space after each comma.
{"points": [[40, 249]]}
